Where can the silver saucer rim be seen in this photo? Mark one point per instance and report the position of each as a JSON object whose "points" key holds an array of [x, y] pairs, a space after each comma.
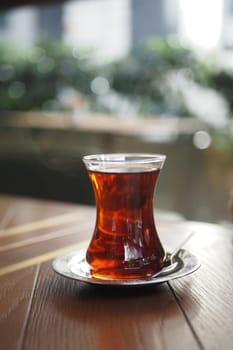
{"points": [[64, 266]]}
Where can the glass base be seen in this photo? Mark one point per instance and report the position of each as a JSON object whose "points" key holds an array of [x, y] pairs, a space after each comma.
{"points": [[73, 265]]}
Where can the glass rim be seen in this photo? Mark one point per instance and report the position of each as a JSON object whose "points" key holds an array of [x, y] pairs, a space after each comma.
{"points": [[123, 158]]}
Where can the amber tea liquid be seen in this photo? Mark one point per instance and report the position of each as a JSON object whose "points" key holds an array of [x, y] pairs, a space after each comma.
{"points": [[125, 243]]}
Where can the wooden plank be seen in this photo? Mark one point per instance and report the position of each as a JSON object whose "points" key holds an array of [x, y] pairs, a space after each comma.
{"points": [[70, 236], [28, 210], [45, 229], [39, 258], [16, 290], [6, 216], [40, 224], [206, 297], [33, 232], [33, 250], [70, 315]]}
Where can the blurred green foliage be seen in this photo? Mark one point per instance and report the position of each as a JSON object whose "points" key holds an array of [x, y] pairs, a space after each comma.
{"points": [[32, 79], [144, 75]]}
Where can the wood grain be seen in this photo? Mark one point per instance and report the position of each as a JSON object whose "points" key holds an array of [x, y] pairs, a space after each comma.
{"points": [[210, 289], [28, 210], [16, 290], [41, 310], [68, 238], [39, 227], [70, 315]]}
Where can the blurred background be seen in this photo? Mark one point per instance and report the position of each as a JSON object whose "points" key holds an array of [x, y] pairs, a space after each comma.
{"points": [[91, 76]]}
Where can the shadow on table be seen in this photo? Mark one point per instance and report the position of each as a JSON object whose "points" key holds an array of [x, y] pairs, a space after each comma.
{"points": [[109, 314]]}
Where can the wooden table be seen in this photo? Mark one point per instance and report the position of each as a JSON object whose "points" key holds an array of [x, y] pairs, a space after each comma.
{"points": [[42, 310]]}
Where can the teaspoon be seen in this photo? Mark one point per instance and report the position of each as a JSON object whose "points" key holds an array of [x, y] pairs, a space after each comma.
{"points": [[170, 262]]}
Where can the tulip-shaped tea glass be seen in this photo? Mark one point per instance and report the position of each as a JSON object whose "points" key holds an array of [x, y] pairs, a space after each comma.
{"points": [[125, 242]]}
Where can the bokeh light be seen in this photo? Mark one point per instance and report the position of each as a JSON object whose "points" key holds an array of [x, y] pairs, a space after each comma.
{"points": [[202, 139]]}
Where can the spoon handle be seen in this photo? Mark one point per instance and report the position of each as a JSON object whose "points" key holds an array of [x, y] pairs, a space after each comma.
{"points": [[177, 249], [169, 264]]}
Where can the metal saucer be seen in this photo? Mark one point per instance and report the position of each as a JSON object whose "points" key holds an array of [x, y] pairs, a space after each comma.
{"points": [[73, 265]]}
